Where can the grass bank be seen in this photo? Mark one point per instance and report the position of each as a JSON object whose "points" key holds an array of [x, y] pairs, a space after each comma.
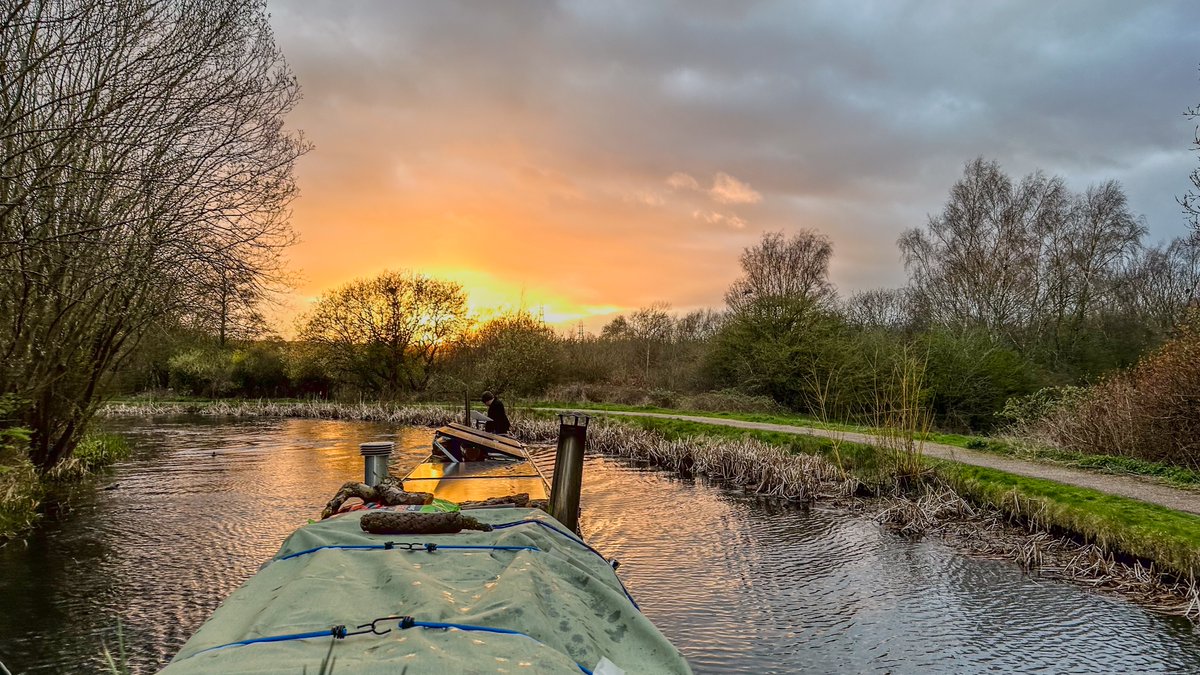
{"points": [[1123, 526], [1171, 539], [763, 417], [22, 488], [1005, 446]]}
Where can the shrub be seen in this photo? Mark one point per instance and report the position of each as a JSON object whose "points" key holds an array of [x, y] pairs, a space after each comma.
{"points": [[970, 376], [729, 400], [259, 370], [20, 489], [1023, 412], [1151, 411], [202, 371]]}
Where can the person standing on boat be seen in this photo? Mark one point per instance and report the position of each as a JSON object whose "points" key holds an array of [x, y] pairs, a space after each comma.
{"points": [[499, 423]]}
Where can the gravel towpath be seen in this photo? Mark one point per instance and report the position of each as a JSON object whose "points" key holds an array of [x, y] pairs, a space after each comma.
{"points": [[1133, 487]]}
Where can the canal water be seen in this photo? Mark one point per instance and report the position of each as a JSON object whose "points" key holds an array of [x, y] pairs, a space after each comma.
{"points": [[739, 585]]}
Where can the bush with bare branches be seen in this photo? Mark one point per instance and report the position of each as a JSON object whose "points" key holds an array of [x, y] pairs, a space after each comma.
{"points": [[1151, 411]]}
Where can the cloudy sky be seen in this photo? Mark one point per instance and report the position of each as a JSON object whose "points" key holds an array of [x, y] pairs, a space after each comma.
{"points": [[589, 157]]}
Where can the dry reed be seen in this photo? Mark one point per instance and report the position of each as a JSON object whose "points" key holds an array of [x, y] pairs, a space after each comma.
{"points": [[390, 413], [746, 463], [986, 531]]}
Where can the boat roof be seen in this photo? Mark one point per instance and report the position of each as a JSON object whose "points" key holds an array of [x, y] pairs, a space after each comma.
{"points": [[476, 481], [557, 605], [506, 445]]}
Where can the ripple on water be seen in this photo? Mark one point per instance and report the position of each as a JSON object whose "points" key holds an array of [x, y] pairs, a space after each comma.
{"points": [[738, 584]]}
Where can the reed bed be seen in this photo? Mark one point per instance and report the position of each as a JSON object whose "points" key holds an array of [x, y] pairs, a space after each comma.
{"points": [[391, 413], [986, 531], [746, 463]]}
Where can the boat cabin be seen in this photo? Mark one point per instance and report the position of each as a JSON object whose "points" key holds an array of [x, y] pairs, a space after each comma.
{"points": [[474, 465]]}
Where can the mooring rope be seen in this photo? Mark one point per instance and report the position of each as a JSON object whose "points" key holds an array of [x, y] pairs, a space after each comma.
{"points": [[340, 632], [428, 547]]}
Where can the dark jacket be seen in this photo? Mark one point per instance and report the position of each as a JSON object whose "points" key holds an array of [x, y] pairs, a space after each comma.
{"points": [[499, 423]]}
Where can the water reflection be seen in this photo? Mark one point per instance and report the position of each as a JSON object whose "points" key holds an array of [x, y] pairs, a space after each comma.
{"points": [[740, 585]]}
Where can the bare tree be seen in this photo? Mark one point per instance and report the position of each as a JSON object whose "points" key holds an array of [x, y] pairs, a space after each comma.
{"points": [[879, 308], [387, 334], [976, 263], [142, 148], [1160, 284], [1030, 262], [698, 326], [1191, 199], [650, 329], [794, 268]]}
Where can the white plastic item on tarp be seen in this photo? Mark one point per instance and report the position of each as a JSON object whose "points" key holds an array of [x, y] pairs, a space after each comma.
{"points": [[606, 667]]}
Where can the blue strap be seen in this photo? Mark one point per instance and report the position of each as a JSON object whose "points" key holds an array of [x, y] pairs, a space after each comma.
{"points": [[340, 633], [388, 546], [573, 538]]}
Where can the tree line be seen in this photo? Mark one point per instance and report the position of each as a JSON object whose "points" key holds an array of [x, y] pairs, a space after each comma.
{"points": [[145, 179], [1015, 285]]}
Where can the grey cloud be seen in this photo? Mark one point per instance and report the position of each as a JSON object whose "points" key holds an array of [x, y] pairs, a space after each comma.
{"points": [[851, 117]]}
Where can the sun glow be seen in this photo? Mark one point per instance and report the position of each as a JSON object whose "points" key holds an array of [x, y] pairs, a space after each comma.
{"points": [[489, 296]]}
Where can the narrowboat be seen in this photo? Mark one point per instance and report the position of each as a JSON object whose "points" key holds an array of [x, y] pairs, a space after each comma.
{"points": [[514, 591]]}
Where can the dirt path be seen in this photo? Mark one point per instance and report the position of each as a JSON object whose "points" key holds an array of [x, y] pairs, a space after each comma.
{"points": [[1132, 487]]}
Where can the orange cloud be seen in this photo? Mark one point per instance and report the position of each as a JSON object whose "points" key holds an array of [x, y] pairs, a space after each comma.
{"points": [[729, 190]]}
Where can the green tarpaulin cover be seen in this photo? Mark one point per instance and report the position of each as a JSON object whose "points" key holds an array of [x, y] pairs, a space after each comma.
{"points": [[565, 598]]}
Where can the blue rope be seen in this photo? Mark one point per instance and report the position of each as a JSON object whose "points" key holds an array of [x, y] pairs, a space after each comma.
{"points": [[573, 538], [429, 547], [337, 632], [340, 633]]}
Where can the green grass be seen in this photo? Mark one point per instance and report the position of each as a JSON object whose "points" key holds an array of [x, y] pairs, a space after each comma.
{"points": [[21, 491], [22, 488], [958, 440], [96, 451], [1170, 538], [1172, 475], [1177, 476], [1127, 526]]}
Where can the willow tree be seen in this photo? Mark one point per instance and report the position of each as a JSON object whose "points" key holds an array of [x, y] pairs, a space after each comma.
{"points": [[388, 334], [143, 158]]}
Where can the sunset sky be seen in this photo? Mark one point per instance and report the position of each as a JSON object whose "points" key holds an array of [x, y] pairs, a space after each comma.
{"points": [[586, 158]]}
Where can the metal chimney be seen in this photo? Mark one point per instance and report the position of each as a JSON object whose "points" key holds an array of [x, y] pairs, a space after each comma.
{"points": [[375, 460], [568, 469]]}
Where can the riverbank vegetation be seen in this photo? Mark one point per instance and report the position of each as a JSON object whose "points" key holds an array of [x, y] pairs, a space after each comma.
{"points": [[23, 488], [1145, 552], [808, 468]]}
